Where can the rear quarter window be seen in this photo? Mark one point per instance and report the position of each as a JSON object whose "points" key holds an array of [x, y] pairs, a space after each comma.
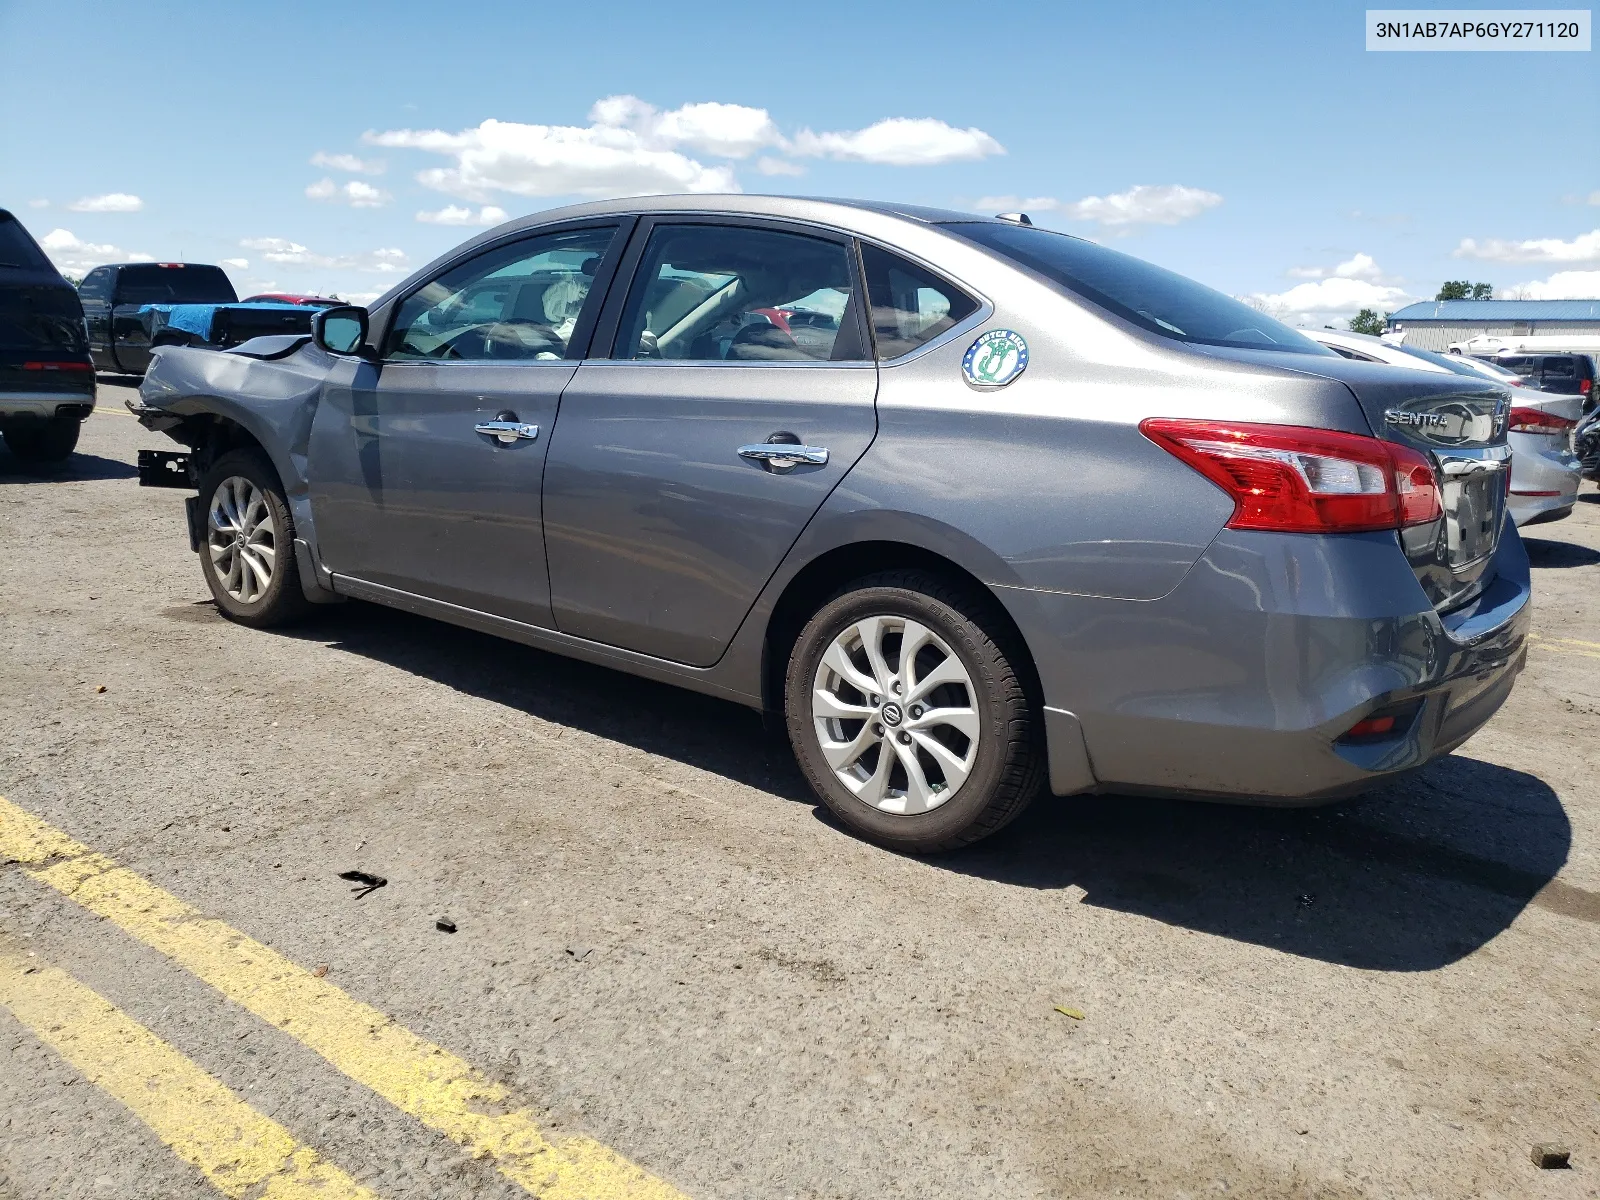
{"points": [[17, 249]]}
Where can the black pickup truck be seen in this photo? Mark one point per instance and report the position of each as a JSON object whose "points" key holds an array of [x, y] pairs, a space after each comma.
{"points": [[130, 308]]}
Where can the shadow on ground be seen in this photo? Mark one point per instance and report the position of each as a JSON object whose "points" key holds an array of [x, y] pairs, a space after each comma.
{"points": [[76, 469], [1412, 877], [1545, 553]]}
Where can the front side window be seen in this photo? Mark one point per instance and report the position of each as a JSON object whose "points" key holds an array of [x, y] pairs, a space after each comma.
{"points": [[519, 301], [910, 305], [720, 293], [96, 284], [1160, 301]]}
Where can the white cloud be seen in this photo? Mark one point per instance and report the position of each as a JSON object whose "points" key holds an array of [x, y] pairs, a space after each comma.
{"points": [[293, 254], [238, 264], [778, 166], [455, 214], [348, 163], [631, 148], [1360, 266], [723, 130], [1333, 297], [355, 193], [71, 254], [554, 160], [1142, 204], [1585, 248], [900, 142], [38, 204], [1563, 285], [1594, 197], [111, 202], [361, 298]]}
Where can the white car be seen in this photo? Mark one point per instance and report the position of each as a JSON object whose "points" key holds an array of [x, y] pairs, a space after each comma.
{"points": [[1544, 471]]}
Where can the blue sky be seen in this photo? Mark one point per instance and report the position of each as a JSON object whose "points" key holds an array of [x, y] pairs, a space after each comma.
{"points": [[1257, 147]]}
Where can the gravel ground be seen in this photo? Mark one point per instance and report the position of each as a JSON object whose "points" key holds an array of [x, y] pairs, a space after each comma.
{"points": [[666, 945]]}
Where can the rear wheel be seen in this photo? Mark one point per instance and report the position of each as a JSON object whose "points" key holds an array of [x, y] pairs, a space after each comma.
{"points": [[908, 715], [248, 553], [43, 443]]}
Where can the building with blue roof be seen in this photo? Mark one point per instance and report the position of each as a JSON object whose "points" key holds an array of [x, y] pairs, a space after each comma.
{"points": [[1434, 324]]}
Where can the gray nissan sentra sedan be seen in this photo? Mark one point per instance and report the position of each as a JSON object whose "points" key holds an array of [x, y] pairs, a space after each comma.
{"points": [[973, 505]]}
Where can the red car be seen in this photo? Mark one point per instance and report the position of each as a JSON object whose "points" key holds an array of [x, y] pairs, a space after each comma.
{"points": [[288, 298]]}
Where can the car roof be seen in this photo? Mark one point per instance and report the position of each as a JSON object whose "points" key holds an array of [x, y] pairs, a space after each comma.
{"points": [[829, 210]]}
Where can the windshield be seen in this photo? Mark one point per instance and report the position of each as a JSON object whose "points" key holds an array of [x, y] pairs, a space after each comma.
{"points": [[188, 284], [1439, 360], [1152, 297], [17, 248]]}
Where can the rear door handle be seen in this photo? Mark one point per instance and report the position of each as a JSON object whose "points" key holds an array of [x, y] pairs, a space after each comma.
{"points": [[507, 432], [785, 456]]}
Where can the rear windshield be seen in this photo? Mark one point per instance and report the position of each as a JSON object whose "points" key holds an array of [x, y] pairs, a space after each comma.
{"points": [[151, 283], [1440, 360], [1152, 297], [41, 321], [17, 248]]}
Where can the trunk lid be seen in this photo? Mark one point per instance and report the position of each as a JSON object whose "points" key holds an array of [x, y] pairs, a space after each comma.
{"points": [[1460, 423]]}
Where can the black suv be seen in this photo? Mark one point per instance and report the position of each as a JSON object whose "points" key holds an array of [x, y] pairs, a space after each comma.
{"points": [[1565, 374], [46, 378]]}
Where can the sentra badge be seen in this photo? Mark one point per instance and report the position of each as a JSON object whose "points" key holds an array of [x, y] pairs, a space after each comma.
{"points": [[995, 359]]}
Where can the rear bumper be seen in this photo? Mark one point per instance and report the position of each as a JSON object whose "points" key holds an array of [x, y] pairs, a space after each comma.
{"points": [[1240, 683], [1544, 479], [42, 406]]}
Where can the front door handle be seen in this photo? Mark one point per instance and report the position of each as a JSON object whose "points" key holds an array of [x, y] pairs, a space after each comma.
{"points": [[785, 456], [507, 433]]}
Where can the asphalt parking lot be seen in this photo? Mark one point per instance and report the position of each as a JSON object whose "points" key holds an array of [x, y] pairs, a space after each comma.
{"points": [[671, 975]]}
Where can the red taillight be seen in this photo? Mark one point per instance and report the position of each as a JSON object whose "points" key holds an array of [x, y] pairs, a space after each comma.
{"points": [[1293, 479], [1371, 727], [56, 366], [1536, 420]]}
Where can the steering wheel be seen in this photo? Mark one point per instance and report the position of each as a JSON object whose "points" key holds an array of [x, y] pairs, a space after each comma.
{"points": [[512, 338]]}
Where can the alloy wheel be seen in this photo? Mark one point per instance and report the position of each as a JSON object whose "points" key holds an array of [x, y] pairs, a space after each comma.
{"points": [[894, 712], [242, 539]]}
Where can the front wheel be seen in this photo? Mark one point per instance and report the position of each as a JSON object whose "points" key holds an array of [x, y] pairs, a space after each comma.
{"points": [[248, 553], [908, 714], [43, 443]]}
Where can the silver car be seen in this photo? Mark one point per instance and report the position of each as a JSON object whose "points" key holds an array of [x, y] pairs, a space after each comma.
{"points": [[1017, 511], [1545, 472]]}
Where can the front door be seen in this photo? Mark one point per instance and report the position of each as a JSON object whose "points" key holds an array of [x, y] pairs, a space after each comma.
{"points": [[426, 465], [670, 498]]}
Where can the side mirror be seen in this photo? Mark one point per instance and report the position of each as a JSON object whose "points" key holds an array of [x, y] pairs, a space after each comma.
{"points": [[341, 330]]}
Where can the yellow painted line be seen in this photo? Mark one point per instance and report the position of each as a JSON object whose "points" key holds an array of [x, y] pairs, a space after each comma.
{"points": [[1566, 645], [440, 1090], [240, 1151], [113, 412]]}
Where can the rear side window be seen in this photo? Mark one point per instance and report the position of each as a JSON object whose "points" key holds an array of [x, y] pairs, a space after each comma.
{"points": [[1160, 301], [733, 293], [17, 249], [1528, 368], [910, 305], [152, 283], [1560, 368]]}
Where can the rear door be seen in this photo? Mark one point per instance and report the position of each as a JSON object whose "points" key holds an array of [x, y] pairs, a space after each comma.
{"points": [[426, 466], [685, 466]]}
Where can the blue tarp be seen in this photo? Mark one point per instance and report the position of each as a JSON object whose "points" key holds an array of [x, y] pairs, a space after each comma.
{"points": [[197, 318]]}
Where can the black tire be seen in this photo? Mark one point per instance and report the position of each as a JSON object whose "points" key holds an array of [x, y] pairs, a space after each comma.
{"points": [[282, 600], [1009, 767], [43, 443]]}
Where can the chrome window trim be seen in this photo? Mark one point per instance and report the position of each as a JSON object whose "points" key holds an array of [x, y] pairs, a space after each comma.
{"points": [[979, 316]]}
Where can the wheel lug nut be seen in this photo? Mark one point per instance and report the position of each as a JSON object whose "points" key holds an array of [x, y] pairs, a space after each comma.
{"points": [[905, 738], [916, 711], [877, 729], [896, 687]]}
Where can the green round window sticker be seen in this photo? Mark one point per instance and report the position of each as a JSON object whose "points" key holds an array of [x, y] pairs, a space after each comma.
{"points": [[995, 359]]}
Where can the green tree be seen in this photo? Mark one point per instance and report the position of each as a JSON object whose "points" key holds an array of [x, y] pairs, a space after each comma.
{"points": [[1369, 320], [1463, 289]]}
